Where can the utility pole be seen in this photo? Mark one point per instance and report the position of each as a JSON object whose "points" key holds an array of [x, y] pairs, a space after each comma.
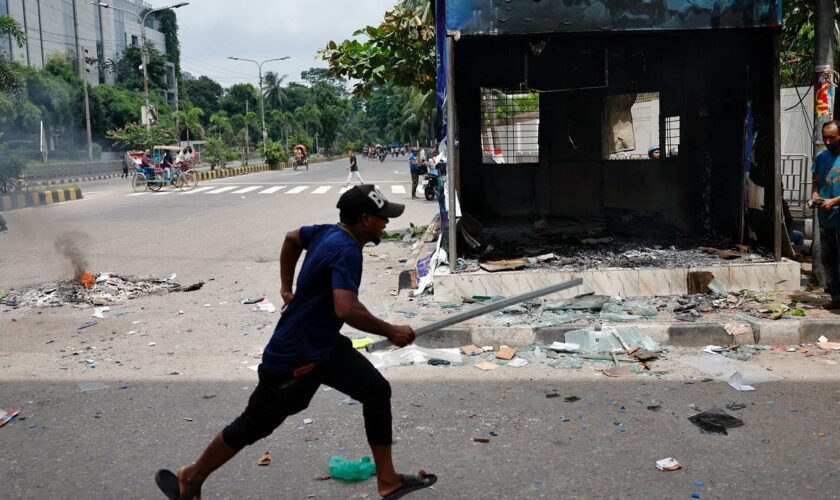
{"points": [[262, 104], [82, 69], [824, 86], [247, 133]]}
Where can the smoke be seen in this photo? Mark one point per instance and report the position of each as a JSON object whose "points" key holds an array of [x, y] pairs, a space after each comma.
{"points": [[69, 244]]}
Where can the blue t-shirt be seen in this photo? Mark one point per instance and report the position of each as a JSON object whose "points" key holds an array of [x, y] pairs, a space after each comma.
{"points": [[827, 170], [309, 329], [413, 166]]}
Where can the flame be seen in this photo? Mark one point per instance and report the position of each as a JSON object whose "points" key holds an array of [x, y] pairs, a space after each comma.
{"points": [[86, 279]]}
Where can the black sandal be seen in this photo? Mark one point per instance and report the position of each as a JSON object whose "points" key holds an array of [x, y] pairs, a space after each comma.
{"points": [[168, 484], [410, 484]]}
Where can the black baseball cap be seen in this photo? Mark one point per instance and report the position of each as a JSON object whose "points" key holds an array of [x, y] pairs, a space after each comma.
{"points": [[366, 199]]}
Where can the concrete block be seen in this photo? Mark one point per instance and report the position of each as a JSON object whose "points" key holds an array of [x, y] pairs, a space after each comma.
{"points": [[783, 331], [551, 334], [698, 334], [446, 338], [495, 336], [810, 331]]}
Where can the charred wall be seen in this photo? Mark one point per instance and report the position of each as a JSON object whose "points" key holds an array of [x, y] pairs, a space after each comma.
{"points": [[704, 77]]}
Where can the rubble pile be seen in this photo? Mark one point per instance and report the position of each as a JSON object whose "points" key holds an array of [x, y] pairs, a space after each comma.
{"points": [[106, 289], [584, 244]]}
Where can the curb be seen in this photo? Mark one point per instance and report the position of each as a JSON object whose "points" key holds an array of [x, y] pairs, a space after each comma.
{"points": [[786, 332], [39, 198], [221, 173], [56, 182]]}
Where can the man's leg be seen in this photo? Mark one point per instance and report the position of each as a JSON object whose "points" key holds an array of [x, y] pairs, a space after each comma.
{"points": [[274, 399], [830, 253], [361, 181], [415, 179], [352, 374]]}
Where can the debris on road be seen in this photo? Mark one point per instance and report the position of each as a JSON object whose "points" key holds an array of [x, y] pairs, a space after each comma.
{"points": [[483, 440], [92, 386], [485, 366], [348, 470], [265, 460], [191, 288], [506, 353], [7, 416], [361, 342], [668, 464], [105, 289], [99, 312], [471, 350], [264, 306], [715, 421]]}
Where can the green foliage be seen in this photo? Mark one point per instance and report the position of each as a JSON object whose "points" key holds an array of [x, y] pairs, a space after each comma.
{"points": [[169, 27], [233, 102], [401, 50], [10, 80], [275, 152], [203, 93], [797, 52], [118, 107], [11, 166], [130, 73], [307, 141], [217, 152], [273, 94], [135, 136], [189, 121]]}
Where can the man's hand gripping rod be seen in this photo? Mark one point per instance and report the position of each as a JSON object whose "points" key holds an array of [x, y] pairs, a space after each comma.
{"points": [[479, 311]]}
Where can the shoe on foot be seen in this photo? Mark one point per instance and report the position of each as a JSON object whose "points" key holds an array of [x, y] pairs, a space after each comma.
{"points": [[411, 484]]}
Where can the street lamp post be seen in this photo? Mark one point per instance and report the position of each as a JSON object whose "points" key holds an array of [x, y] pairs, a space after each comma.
{"points": [[262, 104], [143, 54]]}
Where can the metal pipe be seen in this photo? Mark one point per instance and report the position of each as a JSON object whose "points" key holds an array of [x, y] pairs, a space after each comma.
{"points": [[481, 310], [451, 152]]}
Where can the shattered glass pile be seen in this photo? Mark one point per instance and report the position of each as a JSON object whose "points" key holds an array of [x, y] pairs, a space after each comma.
{"points": [[108, 289]]}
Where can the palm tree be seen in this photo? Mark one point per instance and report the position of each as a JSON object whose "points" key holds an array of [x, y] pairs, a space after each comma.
{"points": [[220, 121], [419, 113], [273, 93], [10, 80], [309, 115], [191, 120]]}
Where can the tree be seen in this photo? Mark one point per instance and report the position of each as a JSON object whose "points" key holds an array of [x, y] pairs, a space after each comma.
{"points": [[401, 50], [220, 124], [797, 54], [203, 93], [273, 93], [310, 117], [169, 27], [217, 153], [135, 135], [190, 119], [130, 68], [233, 102], [10, 80]]}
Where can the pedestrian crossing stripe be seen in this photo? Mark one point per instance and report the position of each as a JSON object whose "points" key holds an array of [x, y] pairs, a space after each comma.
{"points": [[238, 189]]}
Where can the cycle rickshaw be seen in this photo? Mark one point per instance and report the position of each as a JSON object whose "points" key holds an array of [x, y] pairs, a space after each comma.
{"points": [[154, 178], [301, 159]]}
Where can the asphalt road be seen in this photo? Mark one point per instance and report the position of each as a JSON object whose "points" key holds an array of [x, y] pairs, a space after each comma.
{"points": [[176, 368]]}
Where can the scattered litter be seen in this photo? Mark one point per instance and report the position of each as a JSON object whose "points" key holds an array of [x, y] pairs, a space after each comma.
{"points": [[348, 470], [99, 312], [470, 350], [87, 324], [265, 306], [493, 266], [668, 464], [152, 344], [92, 386], [571, 399], [715, 421], [517, 362], [506, 353], [265, 460], [361, 343], [193, 287], [829, 346], [481, 440], [822, 339], [412, 354], [722, 368], [617, 372], [253, 301], [552, 395], [307, 421], [438, 362], [736, 381], [654, 405], [487, 348], [349, 401], [564, 347], [254, 367], [188, 419], [168, 279], [7, 416], [484, 365], [735, 329], [733, 406]]}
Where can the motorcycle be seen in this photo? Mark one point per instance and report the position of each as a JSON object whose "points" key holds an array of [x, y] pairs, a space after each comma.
{"points": [[382, 156], [430, 183]]}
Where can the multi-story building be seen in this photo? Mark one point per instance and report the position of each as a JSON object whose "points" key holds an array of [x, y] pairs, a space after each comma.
{"points": [[83, 31]]}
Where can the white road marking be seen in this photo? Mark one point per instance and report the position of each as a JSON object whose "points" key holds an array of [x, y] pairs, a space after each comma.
{"points": [[138, 194], [271, 190], [198, 190], [161, 193], [322, 190], [222, 190], [247, 189], [397, 189], [344, 190], [297, 190]]}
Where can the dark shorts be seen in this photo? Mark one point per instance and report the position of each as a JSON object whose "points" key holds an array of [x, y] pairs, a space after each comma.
{"points": [[278, 396]]}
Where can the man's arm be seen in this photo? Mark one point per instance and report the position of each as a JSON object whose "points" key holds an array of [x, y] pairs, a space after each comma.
{"points": [[354, 313], [289, 255]]}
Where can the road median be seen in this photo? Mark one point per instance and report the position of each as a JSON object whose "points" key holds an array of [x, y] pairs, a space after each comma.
{"points": [[41, 197]]}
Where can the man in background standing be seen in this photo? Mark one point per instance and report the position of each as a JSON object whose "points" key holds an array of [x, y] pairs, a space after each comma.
{"points": [[825, 195]]}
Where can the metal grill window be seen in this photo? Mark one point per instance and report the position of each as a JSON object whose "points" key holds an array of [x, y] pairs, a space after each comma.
{"points": [[672, 136], [510, 123]]}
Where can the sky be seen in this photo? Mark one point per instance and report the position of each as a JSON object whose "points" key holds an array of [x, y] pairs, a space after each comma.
{"points": [[212, 30]]}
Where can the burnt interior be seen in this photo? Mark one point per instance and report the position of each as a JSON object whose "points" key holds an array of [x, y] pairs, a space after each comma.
{"points": [[706, 77]]}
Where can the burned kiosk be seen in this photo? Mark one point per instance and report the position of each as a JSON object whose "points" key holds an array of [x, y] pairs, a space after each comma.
{"points": [[613, 129]]}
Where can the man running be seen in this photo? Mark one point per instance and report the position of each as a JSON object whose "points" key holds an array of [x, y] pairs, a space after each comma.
{"points": [[307, 350]]}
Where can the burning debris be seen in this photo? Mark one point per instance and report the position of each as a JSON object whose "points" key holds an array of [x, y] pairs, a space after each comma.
{"points": [[102, 289], [69, 245]]}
